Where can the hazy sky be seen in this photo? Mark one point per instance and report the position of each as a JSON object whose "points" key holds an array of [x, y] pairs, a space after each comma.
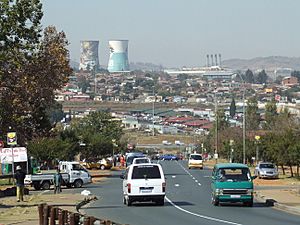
{"points": [[180, 32]]}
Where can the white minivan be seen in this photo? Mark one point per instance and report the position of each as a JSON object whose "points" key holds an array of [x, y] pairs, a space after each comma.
{"points": [[144, 182]]}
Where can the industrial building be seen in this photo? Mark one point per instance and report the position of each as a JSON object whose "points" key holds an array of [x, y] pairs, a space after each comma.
{"points": [[118, 58], [89, 58]]}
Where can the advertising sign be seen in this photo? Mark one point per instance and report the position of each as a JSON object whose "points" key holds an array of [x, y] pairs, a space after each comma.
{"points": [[12, 138], [20, 155]]}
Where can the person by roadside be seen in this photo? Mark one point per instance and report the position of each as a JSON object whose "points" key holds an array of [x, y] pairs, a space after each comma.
{"points": [[57, 181], [20, 176]]}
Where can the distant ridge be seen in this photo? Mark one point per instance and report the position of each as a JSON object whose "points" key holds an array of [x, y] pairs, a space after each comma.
{"points": [[268, 63]]}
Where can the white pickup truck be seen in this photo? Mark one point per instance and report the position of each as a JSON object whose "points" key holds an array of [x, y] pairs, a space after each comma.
{"points": [[73, 174]]}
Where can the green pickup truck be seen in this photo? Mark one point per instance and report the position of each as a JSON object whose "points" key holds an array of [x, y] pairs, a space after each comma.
{"points": [[232, 182]]}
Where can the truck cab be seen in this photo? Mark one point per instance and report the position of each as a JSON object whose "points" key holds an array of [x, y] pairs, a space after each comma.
{"points": [[78, 175], [231, 183]]}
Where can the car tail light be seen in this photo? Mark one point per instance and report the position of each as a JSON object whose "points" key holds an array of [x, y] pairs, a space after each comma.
{"points": [[164, 187], [129, 188]]}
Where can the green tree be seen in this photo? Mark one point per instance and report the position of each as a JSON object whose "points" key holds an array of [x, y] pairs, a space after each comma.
{"points": [[249, 76], [97, 130], [270, 114], [296, 74], [262, 77], [232, 108], [252, 116], [30, 69]]}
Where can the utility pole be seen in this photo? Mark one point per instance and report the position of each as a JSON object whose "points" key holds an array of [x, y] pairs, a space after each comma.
{"points": [[216, 130], [153, 102], [244, 126]]}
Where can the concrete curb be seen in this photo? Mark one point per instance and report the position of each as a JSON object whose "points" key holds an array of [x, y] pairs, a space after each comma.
{"points": [[276, 205]]}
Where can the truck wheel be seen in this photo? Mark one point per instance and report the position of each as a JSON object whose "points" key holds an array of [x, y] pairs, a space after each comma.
{"points": [[124, 200], [37, 186], [78, 183], [249, 204], [128, 201], [160, 202], [102, 167], [215, 201], [45, 185]]}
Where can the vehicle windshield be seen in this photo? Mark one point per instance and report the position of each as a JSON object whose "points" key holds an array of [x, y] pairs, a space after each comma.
{"points": [[267, 166], [233, 174], [196, 157], [141, 160], [146, 172], [130, 159], [78, 167]]}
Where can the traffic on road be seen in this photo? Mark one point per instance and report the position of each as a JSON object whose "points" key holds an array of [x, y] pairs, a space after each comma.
{"points": [[188, 196]]}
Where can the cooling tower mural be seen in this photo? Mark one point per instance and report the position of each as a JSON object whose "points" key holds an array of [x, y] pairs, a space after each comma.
{"points": [[89, 55], [118, 58]]}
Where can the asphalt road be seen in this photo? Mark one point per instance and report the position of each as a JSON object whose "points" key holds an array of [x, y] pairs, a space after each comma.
{"points": [[187, 202]]}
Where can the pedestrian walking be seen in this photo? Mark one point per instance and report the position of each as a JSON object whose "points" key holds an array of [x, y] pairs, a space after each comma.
{"points": [[57, 181], [20, 176]]}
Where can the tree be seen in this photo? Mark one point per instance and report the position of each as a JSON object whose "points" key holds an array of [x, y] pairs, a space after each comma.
{"points": [[232, 108], [296, 74], [262, 77], [30, 69], [97, 130], [270, 114], [83, 83], [249, 77], [252, 116]]}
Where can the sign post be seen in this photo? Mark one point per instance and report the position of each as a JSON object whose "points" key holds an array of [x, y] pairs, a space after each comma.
{"points": [[11, 141]]}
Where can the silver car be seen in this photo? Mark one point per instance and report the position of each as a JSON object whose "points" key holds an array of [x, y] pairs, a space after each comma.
{"points": [[266, 170]]}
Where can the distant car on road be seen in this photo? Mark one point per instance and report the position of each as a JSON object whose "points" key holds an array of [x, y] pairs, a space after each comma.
{"points": [[266, 170], [168, 157], [195, 161]]}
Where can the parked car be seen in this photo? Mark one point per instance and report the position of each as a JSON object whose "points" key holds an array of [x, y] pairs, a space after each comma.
{"points": [[144, 182], [195, 161], [105, 164], [168, 157], [266, 170], [232, 182]]}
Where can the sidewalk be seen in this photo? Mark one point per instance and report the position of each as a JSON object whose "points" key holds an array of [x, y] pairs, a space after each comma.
{"points": [[26, 213], [282, 194]]}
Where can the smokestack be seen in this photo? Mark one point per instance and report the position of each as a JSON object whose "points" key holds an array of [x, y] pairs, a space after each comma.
{"points": [[216, 59], [212, 59], [207, 60], [220, 61]]}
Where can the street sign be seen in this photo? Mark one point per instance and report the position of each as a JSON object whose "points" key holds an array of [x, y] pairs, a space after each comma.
{"points": [[12, 138], [1, 144], [12, 155]]}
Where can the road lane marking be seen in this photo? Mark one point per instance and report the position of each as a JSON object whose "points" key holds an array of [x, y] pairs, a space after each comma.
{"points": [[176, 185], [173, 176], [189, 173], [201, 216]]}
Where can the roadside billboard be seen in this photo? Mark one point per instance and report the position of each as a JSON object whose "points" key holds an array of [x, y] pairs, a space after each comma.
{"points": [[19, 155]]}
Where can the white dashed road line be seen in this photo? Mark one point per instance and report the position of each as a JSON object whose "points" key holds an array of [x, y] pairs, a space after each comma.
{"points": [[201, 216], [188, 172]]}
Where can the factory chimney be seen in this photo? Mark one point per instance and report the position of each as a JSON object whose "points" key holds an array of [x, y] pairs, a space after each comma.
{"points": [[220, 61], [216, 59], [212, 59], [207, 60]]}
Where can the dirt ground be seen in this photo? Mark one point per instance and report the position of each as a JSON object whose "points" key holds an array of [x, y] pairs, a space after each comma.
{"points": [[26, 213]]}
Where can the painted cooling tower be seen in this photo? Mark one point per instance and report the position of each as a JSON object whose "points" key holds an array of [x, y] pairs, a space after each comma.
{"points": [[89, 55], [118, 58]]}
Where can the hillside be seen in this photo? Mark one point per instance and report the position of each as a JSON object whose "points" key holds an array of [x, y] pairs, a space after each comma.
{"points": [[268, 63]]}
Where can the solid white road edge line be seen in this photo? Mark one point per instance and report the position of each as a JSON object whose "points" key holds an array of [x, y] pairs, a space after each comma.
{"points": [[201, 216]]}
